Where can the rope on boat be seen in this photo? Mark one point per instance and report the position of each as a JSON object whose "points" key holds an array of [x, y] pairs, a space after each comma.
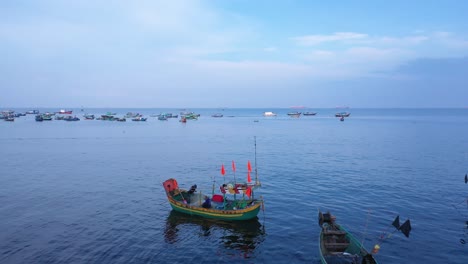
{"points": [[365, 228]]}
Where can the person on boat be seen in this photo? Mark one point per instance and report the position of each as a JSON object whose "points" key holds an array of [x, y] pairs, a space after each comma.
{"points": [[207, 203], [192, 189]]}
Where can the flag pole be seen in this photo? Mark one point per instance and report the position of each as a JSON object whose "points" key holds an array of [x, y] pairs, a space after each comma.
{"points": [[234, 171]]}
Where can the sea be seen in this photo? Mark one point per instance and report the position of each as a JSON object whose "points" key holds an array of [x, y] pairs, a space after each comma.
{"points": [[91, 191]]}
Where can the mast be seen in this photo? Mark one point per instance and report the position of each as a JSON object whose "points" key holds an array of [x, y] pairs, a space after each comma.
{"points": [[255, 155]]}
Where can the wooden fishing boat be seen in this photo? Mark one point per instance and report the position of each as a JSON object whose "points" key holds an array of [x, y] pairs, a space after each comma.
{"points": [[337, 245], [215, 206], [234, 202]]}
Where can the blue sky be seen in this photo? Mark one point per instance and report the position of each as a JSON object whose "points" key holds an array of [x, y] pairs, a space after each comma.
{"points": [[233, 53]]}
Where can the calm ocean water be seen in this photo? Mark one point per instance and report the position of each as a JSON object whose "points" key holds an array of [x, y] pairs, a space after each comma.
{"points": [[90, 191]]}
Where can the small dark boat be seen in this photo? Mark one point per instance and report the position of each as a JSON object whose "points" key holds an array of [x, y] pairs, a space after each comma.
{"points": [[342, 114], [39, 118], [217, 115], [337, 245], [9, 118], [139, 118], [309, 113]]}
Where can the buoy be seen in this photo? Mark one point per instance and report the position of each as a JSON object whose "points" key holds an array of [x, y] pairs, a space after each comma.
{"points": [[376, 249]]}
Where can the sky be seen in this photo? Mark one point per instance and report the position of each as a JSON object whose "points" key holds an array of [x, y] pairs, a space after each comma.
{"points": [[233, 53]]}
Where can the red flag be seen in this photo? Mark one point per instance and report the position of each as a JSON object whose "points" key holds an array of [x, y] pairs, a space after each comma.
{"points": [[248, 192], [233, 166], [248, 177], [249, 168], [222, 169]]}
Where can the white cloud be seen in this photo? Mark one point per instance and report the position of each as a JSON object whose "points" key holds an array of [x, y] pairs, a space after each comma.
{"points": [[450, 40], [403, 41], [311, 40]]}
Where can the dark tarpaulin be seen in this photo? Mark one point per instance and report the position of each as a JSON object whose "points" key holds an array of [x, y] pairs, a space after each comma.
{"points": [[396, 222], [405, 228]]}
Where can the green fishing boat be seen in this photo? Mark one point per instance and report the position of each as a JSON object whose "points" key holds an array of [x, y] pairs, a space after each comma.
{"points": [[215, 206], [235, 200], [337, 245]]}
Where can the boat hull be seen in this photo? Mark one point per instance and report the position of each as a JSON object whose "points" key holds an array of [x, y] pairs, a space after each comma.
{"points": [[229, 215], [337, 245]]}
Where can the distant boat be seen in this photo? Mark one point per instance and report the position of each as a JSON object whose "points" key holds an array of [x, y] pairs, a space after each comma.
{"points": [[190, 115], [309, 113], [107, 118], [9, 118], [342, 114], [71, 118], [88, 117], [130, 115], [39, 118], [217, 115], [337, 245], [139, 118], [47, 117], [32, 112], [65, 112], [162, 117], [183, 119], [269, 114], [294, 114]]}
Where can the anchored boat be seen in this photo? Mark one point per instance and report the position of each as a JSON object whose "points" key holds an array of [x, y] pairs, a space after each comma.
{"points": [[337, 245], [234, 201]]}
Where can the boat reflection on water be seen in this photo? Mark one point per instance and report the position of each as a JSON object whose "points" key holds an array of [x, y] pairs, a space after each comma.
{"points": [[240, 238]]}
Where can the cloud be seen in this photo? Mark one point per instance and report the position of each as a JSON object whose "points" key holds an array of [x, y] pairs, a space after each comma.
{"points": [[311, 40], [450, 40]]}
